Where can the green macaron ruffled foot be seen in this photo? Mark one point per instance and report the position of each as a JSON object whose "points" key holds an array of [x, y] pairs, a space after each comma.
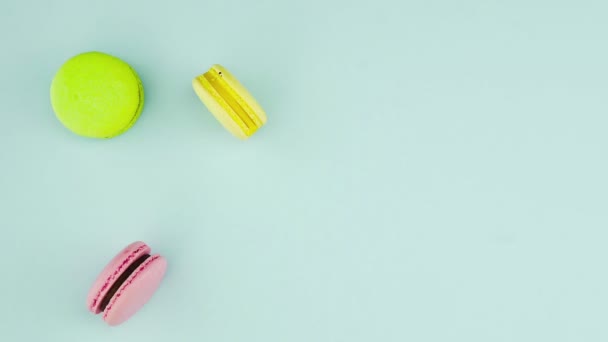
{"points": [[97, 95]]}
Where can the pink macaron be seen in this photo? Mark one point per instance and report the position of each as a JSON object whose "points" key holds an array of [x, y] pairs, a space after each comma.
{"points": [[126, 283]]}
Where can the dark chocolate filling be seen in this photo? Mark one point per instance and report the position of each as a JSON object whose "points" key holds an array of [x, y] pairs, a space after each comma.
{"points": [[121, 279]]}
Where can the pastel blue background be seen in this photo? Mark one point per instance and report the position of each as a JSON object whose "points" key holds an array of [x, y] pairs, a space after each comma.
{"points": [[430, 171]]}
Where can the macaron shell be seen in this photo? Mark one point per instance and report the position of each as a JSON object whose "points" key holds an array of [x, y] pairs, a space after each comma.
{"points": [[136, 290], [241, 91], [97, 95], [204, 92], [220, 108], [112, 271]]}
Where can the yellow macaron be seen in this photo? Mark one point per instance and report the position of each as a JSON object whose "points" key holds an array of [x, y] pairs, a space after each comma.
{"points": [[229, 101]]}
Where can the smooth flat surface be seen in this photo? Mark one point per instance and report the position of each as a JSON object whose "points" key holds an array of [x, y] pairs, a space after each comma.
{"points": [[430, 171]]}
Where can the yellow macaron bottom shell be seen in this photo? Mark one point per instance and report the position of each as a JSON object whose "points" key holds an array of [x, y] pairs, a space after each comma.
{"points": [[229, 101], [97, 95]]}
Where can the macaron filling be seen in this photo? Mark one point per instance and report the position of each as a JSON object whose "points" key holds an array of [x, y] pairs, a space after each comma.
{"points": [[138, 110], [226, 93], [120, 280]]}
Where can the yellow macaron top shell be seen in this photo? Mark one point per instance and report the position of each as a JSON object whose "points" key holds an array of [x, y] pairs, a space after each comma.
{"points": [[229, 101], [97, 95]]}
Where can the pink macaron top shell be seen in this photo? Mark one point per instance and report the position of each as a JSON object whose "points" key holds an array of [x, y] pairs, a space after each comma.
{"points": [[112, 271], [136, 290]]}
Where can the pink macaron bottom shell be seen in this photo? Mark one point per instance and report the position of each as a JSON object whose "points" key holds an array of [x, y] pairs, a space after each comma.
{"points": [[112, 271], [136, 290]]}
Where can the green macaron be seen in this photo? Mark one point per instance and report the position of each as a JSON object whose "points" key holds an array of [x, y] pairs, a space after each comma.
{"points": [[97, 95]]}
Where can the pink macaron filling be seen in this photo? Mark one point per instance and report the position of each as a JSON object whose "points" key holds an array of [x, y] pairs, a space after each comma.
{"points": [[120, 280]]}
